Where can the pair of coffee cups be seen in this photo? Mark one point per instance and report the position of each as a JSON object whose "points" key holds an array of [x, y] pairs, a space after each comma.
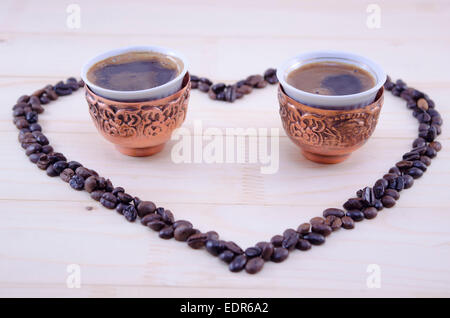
{"points": [[326, 128]]}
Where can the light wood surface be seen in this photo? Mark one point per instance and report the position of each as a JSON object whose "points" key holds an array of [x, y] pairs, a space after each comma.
{"points": [[45, 225]]}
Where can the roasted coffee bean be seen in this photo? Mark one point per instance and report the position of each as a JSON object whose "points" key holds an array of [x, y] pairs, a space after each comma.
{"points": [[203, 87], [21, 123], [253, 80], [430, 152], [279, 254], [145, 207], [347, 223], [149, 218], [31, 117], [261, 84], [353, 204], [120, 207], [233, 247], [277, 240], [422, 104], [395, 170], [426, 160], [23, 99], [83, 172], [334, 222], [108, 200], [332, 211], [43, 162], [303, 245], [359, 193], [97, 195], [238, 263], [33, 148], [76, 182], [370, 213], [117, 190], [182, 223], [217, 88], [409, 181], [230, 93], [368, 197], [419, 142], [59, 166], [254, 265], [91, 184], [270, 75], [290, 238], [253, 252], [215, 247], [436, 145], [74, 165], [303, 228], [130, 213], [34, 157], [67, 174], [226, 256], [400, 183], [51, 172], [419, 164], [388, 201], [315, 238], [183, 232], [323, 229], [35, 127], [244, 89], [197, 241], [411, 156], [212, 95], [156, 225], [167, 216], [415, 172], [44, 99], [317, 220], [124, 197], [356, 215], [378, 205], [378, 188], [212, 235], [166, 232], [266, 250], [404, 164], [41, 138], [205, 80], [47, 149]]}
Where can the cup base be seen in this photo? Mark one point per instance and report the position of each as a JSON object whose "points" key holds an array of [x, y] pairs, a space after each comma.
{"points": [[140, 152], [324, 159]]}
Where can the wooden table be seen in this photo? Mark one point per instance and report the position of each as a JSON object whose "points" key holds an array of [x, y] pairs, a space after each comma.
{"points": [[46, 227]]}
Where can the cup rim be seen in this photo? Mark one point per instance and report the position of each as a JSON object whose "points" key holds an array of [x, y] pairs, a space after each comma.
{"points": [[123, 50], [305, 58]]}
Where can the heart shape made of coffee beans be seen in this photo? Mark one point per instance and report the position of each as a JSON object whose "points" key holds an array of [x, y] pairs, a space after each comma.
{"points": [[365, 205]]}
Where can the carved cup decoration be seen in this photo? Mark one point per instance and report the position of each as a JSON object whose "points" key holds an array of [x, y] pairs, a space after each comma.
{"points": [[139, 128], [328, 135]]}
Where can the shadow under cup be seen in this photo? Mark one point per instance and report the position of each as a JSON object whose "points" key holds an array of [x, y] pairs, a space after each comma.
{"points": [[329, 128]]}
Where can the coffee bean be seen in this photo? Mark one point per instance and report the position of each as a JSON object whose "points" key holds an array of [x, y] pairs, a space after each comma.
{"points": [[150, 218], [279, 254], [303, 245], [83, 172], [323, 229], [67, 174], [419, 142], [120, 207], [130, 213], [47, 149], [430, 152], [197, 241], [436, 145], [212, 95], [167, 217], [203, 87], [182, 223], [124, 197], [33, 148], [73, 165], [233, 247], [261, 84], [97, 195], [266, 250], [59, 166], [368, 197], [422, 104], [290, 239], [303, 228], [356, 215], [419, 164], [145, 207], [166, 232], [244, 89], [388, 201], [254, 265], [317, 220], [426, 160], [215, 247], [353, 204], [226, 256], [334, 222], [415, 172], [90, 184], [212, 235], [156, 225], [395, 170], [332, 211], [31, 117], [51, 172], [378, 189], [347, 223], [238, 263], [315, 238], [370, 213], [230, 93], [183, 232], [217, 88], [253, 252], [411, 156], [108, 200], [404, 164], [117, 190], [392, 193], [378, 205], [34, 157], [277, 240]]}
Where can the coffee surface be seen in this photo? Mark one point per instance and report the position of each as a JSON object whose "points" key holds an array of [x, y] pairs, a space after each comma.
{"points": [[331, 78], [134, 71]]}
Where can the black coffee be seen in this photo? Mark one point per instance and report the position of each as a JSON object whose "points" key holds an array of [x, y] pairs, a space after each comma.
{"points": [[331, 78], [134, 71]]}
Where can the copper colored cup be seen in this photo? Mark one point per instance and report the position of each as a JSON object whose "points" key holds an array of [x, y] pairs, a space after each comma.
{"points": [[328, 135], [139, 129]]}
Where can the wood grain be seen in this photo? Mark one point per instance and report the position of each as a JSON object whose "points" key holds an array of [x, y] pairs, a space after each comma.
{"points": [[46, 226]]}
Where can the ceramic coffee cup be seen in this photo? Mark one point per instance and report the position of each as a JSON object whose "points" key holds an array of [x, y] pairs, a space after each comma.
{"points": [[329, 128], [161, 91], [139, 123]]}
